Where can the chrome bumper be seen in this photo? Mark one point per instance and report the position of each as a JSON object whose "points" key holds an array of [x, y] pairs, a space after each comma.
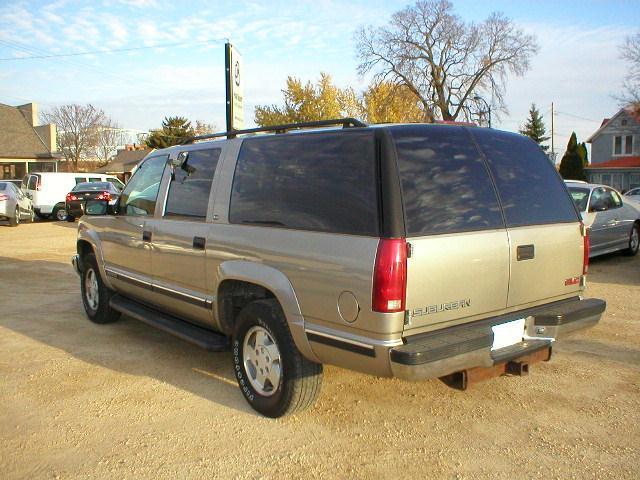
{"points": [[75, 261], [465, 347]]}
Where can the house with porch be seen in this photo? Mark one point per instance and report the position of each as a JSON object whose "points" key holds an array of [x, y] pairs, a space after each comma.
{"points": [[615, 151], [25, 145]]}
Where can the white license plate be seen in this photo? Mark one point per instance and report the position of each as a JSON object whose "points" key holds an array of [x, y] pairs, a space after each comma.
{"points": [[507, 334]]}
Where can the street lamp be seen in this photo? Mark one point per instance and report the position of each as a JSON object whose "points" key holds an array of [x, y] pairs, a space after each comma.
{"points": [[488, 107]]}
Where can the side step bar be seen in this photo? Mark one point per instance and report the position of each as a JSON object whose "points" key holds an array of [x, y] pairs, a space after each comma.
{"points": [[211, 341]]}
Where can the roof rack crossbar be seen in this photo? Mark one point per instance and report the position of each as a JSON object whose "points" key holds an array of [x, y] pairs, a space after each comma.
{"points": [[345, 122]]}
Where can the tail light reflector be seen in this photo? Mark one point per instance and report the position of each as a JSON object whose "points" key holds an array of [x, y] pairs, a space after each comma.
{"points": [[390, 276], [104, 196], [71, 197], [3, 197]]}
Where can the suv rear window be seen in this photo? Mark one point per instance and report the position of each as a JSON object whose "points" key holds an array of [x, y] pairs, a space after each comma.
{"points": [[446, 187], [323, 182], [530, 189]]}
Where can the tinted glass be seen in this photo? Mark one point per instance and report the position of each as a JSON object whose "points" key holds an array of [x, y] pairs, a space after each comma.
{"points": [[95, 179], [80, 180], [92, 186], [140, 195], [445, 184], [3, 186], [33, 181], [580, 197], [190, 188], [317, 181], [529, 187]]}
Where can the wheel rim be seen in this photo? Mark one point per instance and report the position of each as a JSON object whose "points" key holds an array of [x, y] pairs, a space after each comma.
{"points": [[61, 214], [635, 239], [262, 361], [91, 289]]}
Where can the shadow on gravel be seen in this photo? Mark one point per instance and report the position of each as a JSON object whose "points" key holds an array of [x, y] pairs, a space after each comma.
{"points": [[47, 308], [601, 350], [615, 268]]}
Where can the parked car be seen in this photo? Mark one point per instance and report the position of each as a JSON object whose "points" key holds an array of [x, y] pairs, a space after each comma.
{"points": [[634, 194], [77, 198], [613, 221], [14, 205], [48, 190], [395, 250]]}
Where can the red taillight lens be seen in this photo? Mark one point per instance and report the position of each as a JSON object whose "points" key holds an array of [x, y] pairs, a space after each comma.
{"points": [[104, 196], [71, 197], [587, 248], [390, 276], [3, 197]]}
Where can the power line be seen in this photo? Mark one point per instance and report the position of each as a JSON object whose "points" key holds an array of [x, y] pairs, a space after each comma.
{"points": [[578, 117], [115, 50]]}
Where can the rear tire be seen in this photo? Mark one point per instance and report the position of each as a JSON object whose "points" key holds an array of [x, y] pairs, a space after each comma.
{"points": [[59, 213], [71, 218], [634, 241], [15, 221], [95, 294], [272, 374]]}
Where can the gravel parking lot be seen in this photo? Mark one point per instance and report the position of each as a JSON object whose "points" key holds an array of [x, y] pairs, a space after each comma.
{"points": [[79, 400]]}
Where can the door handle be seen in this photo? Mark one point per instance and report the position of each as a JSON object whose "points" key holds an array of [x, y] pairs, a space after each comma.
{"points": [[146, 236], [199, 243], [525, 252]]}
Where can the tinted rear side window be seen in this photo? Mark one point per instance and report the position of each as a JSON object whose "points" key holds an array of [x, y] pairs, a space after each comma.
{"points": [[530, 189], [189, 190], [320, 181], [445, 184]]}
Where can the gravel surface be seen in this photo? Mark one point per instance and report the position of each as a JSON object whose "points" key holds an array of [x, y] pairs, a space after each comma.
{"points": [[79, 400]]}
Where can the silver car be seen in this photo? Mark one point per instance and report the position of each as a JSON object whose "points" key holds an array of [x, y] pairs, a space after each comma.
{"points": [[15, 206], [634, 194], [613, 220]]}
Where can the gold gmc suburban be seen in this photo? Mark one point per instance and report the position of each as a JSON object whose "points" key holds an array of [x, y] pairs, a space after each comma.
{"points": [[415, 251]]}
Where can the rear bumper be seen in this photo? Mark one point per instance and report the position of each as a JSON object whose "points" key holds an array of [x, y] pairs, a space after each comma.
{"points": [[469, 346]]}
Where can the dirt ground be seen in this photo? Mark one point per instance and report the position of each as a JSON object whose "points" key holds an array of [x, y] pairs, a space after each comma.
{"points": [[79, 400]]}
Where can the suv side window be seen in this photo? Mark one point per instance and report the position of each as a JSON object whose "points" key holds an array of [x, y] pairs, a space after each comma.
{"points": [[445, 184], [80, 180], [324, 182], [140, 195], [189, 189], [33, 182], [529, 187]]}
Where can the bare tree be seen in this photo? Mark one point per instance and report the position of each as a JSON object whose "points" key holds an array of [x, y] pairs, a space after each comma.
{"points": [[630, 51], [76, 129], [446, 62], [107, 137], [204, 128]]}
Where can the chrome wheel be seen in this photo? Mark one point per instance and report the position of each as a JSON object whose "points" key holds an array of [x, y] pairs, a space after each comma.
{"points": [[262, 361], [91, 289], [634, 241], [61, 214]]}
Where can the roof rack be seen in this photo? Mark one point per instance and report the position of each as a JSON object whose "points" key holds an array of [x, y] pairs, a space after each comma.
{"points": [[345, 122]]}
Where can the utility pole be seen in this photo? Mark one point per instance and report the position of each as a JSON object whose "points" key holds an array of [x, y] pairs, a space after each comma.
{"points": [[553, 150]]}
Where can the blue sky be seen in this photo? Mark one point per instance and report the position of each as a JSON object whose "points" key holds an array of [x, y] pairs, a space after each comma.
{"points": [[578, 66]]}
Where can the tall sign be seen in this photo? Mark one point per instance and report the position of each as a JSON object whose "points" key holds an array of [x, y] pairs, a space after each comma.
{"points": [[234, 83]]}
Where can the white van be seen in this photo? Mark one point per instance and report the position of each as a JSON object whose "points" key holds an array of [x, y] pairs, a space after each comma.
{"points": [[48, 190]]}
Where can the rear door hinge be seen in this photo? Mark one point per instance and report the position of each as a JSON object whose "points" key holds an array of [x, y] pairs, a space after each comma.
{"points": [[409, 250]]}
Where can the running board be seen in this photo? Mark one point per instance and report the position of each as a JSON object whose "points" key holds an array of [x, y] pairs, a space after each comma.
{"points": [[207, 339]]}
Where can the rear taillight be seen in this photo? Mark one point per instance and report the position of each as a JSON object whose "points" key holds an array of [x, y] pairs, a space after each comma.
{"points": [[71, 197], [104, 196], [3, 197], [587, 248], [390, 276]]}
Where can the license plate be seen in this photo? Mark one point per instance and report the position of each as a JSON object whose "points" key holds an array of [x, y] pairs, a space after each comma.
{"points": [[507, 334]]}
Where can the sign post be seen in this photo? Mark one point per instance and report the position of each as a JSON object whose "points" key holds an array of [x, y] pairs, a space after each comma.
{"points": [[234, 90]]}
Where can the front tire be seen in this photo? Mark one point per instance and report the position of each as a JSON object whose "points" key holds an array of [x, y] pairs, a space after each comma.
{"points": [[15, 221], [634, 241], [95, 294], [272, 374]]}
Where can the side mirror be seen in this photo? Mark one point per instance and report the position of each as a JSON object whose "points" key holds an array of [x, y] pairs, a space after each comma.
{"points": [[96, 207], [178, 160]]}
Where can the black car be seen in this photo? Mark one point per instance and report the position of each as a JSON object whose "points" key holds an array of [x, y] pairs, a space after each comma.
{"points": [[77, 198]]}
